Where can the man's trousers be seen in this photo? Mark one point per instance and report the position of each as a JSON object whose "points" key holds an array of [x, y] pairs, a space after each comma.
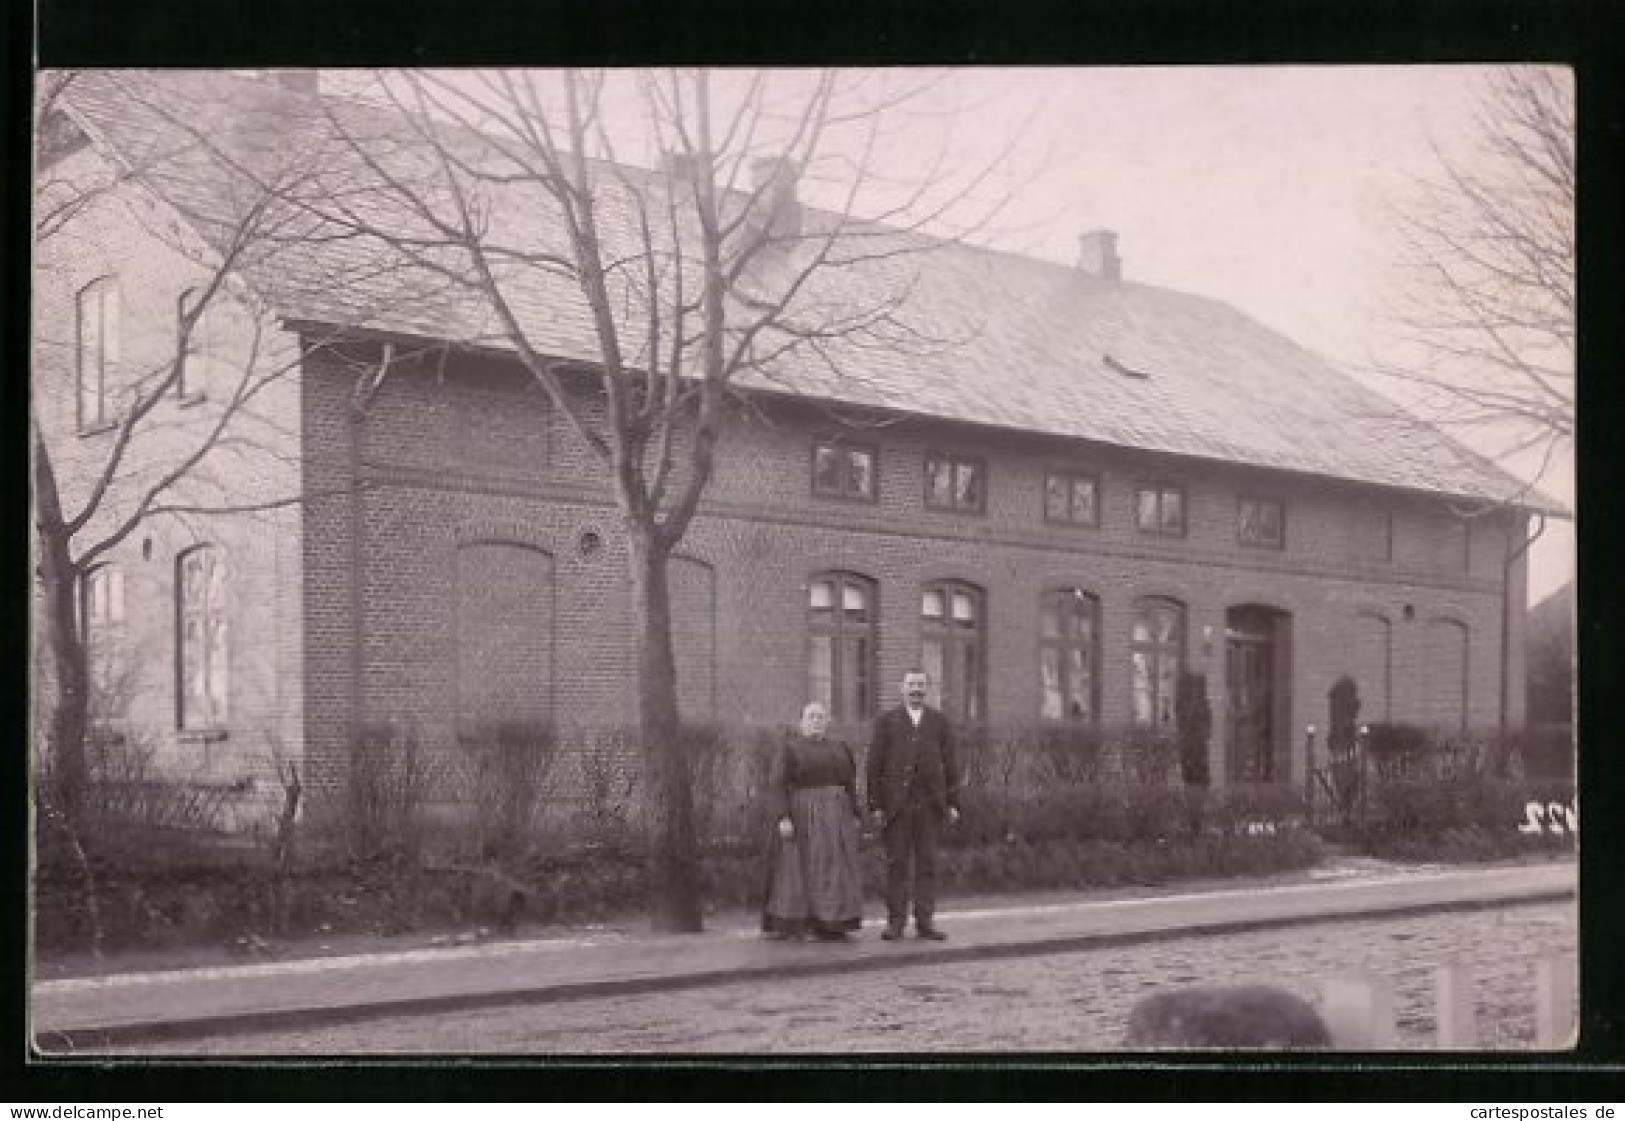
{"points": [[911, 861]]}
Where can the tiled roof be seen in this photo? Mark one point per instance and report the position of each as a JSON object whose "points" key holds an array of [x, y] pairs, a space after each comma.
{"points": [[993, 338]]}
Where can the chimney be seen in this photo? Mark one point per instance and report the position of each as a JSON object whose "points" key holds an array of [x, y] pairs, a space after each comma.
{"points": [[1097, 254], [773, 181], [298, 80]]}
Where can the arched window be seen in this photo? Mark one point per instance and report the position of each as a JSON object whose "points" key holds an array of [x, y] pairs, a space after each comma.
{"points": [[502, 611], [101, 617], [202, 349], [204, 670], [1446, 673], [841, 644], [1068, 648], [1373, 664], [953, 637], [97, 349], [1157, 653]]}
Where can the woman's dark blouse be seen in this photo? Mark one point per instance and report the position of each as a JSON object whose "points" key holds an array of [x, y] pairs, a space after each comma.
{"points": [[804, 763]]}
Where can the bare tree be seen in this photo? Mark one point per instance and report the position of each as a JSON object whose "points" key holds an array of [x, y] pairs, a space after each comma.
{"points": [[161, 449], [1486, 321], [664, 292]]}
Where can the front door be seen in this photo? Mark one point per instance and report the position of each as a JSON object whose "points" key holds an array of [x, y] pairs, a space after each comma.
{"points": [[1250, 674]]}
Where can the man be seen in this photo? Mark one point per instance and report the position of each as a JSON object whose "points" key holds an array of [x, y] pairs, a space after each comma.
{"points": [[913, 779]]}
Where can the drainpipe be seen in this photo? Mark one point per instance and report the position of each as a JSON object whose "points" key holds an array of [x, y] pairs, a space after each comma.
{"points": [[366, 388], [1506, 617]]}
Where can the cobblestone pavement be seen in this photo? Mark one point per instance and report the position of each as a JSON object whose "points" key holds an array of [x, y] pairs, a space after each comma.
{"points": [[1057, 1003]]}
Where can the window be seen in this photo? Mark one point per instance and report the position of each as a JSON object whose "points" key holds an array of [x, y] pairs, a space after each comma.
{"points": [[101, 615], [204, 670], [1068, 633], [1072, 498], [1376, 533], [1444, 674], [102, 599], [952, 651], [955, 483], [202, 349], [1157, 650], [844, 471], [98, 314], [1261, 522], [1161, 510], [841, 644]]}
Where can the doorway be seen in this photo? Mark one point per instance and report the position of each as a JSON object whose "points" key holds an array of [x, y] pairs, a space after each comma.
{"points": [[1255, 680]]}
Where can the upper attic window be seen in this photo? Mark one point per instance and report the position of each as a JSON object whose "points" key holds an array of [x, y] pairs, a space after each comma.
{"points": [[1260, 522], [841, 470], [1160, 509], [98, 339], [954, 482]]}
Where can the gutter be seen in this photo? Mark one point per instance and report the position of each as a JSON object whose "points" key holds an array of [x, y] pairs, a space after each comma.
{"points": [[1506, 615]]}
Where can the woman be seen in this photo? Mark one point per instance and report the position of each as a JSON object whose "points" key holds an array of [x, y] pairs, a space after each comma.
{"points": [[814, 885]]}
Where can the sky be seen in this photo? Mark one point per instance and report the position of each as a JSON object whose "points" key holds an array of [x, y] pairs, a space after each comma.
{"points": [[1269, 188]]}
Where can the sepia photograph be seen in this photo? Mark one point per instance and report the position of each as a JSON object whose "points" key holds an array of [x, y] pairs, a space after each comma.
{"points": [[779, 562]]}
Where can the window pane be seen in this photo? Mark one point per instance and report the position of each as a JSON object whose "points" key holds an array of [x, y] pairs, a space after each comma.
{"points": [[862, 467], [95, 596], [1053, 705], [967, 486], [821, 672], [115, 595], [1173, 511], [1142, 624], [1083, 501], [1270, 523], [1078, 684], [964, 608], [1166, 624], [826, 470], [1167, 675], [931, 605], [1049, 624], [854, 599], [217, 582], [1140, 678], [857, 669], [969, 683], [821, 596], [939, 482], [1249, 520], [931, 663], [218, 663], [1055, 497], [1147, 510], [1083, 619]]}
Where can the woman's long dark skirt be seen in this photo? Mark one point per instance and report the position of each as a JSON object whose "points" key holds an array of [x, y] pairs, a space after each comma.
{"points": [[815, 881]]}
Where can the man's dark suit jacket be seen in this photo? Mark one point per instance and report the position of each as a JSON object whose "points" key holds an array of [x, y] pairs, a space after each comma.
{"points": [[899, 748]]}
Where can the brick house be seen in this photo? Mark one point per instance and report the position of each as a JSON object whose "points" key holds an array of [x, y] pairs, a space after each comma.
{"points": [[1103, 484]]}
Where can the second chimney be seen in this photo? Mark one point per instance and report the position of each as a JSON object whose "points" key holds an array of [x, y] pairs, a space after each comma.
{"points": [[773, 178], [1097, 254]]}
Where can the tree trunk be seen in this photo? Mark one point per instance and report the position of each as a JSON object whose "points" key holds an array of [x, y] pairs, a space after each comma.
{"points": [[69, 715], [673, 860]]}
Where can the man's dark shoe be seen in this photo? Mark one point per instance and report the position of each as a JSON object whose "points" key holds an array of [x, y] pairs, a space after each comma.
{"points": [[891, 934], [931, 934]]}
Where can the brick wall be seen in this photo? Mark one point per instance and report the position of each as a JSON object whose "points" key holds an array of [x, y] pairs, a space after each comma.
{"points": [[740, 593]]}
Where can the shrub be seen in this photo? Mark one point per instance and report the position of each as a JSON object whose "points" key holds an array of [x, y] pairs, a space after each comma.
{"points": [[507, 765]]}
